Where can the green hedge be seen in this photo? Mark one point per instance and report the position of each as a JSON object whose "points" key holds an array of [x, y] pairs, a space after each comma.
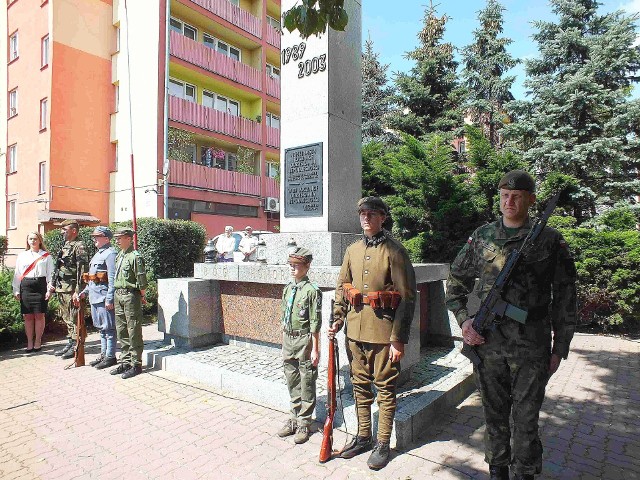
{"points": [[4, 244]]}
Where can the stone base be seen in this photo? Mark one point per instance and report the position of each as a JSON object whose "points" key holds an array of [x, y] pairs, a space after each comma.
{"points": [[328, 247]]}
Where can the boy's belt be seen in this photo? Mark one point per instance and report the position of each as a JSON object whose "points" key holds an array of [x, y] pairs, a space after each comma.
{"points": [[297, 333]]}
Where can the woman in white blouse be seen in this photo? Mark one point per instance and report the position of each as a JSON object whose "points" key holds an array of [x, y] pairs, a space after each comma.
{"points": [[34, 268]]}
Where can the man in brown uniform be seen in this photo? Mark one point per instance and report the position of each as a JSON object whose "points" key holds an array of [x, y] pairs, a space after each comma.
{"points": [[376, 332]]}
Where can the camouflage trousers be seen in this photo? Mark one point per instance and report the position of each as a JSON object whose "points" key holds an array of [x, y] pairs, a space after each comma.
{"points": [[512, 379], [370, 365], [128, 309], [69, 313], [301, 376]]}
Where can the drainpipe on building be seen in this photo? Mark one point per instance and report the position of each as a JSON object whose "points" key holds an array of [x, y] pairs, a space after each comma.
{"points": [[165, 166]]}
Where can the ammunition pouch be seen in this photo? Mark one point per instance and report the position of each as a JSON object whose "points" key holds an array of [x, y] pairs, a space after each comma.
{"points": [[98, 277], [352, 294], [380, 299]]}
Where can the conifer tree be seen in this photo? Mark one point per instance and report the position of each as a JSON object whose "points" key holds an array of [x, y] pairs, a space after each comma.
{"points": [[376, 96], [485, 62]]}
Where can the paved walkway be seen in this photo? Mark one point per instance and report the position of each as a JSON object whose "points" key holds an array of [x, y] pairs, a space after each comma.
{"points": [[86, 424]]}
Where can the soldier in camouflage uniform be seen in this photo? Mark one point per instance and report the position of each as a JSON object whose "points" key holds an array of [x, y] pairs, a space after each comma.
{"points": [[130, 284], [67, 281], [301, 321], [376, 335], [517, 359]]}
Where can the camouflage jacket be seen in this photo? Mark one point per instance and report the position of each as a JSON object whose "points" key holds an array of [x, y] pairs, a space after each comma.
{"points": [[373, 265], [72, 262], [543, 283]]}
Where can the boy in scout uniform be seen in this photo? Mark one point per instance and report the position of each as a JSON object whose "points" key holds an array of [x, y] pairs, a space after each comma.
{"points": [[130, 284], [100, 289], [67, 281], [375, 298], [301, 320], [516, 359]]}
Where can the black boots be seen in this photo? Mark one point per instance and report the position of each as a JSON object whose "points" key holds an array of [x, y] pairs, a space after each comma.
{"points": [[498, 472], [65, 349], [132, 372], [95, 362], [106, 363], [71, 352], [356, 447], [379, 457]]}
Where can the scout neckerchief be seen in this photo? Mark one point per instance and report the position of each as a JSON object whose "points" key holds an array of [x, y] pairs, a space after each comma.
{"points": [[33, 264], [289, 310]]}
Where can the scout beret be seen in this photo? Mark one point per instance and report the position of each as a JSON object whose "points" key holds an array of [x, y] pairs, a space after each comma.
{"points": [[301, 255], [100, 230], [70, 223], [124, 231], [373, 203], [517, 180]]}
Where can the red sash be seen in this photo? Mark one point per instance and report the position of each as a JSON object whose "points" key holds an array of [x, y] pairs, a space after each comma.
{"points": [[32, 266]]}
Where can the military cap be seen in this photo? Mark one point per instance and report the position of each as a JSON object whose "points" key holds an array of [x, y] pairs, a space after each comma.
{"points": [[70, 223], [301, 255], [373, 203], [128, 231], [517, 180], [100, 230]]}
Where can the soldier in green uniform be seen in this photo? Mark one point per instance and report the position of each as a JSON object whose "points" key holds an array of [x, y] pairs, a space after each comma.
{"points": [[517, 359], [378, 318], [301, 321], [67, 281], [130, 284]]}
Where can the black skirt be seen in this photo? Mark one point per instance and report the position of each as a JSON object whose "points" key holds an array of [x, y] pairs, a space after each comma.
{"points": [[32, 292]]}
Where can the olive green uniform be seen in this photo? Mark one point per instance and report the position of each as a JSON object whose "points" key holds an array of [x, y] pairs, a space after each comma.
{"points": [[72, 263], [301, 317], [515, 357], [130, 278], [370, 265]]}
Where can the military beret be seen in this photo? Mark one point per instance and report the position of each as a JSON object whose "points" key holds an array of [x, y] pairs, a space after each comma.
{"points": [[124, 231], [517, 180], [372, 203], [100, 230], [301, 255], [70, 223]]}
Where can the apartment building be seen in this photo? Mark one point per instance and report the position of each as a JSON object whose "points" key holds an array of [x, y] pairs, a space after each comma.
{"points": [[188, 89]]}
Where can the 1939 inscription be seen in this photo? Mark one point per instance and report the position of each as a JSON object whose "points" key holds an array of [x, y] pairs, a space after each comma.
{"points": [[303, 181]]}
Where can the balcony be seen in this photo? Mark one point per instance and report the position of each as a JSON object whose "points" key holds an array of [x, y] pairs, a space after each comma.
{"points": [[273, 137], [192, 175], [232, 14], [273, 86], [198, 54], [272, 188], [273, 37], [190, 113]]}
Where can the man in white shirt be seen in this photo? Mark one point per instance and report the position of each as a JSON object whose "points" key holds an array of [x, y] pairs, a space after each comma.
{"points": [[225, 245], [248, 245]]}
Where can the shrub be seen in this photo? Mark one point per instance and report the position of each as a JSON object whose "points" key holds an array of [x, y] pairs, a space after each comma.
{"points": [[3, 248], [10, 317], [54, 241]]}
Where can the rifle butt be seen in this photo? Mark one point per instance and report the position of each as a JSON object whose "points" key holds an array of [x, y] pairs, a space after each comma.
{"points": [[81, 334], [327, 440]]}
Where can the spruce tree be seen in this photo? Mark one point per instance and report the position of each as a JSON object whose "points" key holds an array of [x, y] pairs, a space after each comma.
{"points": [[580, 119], [485, 63], [376, 96]]}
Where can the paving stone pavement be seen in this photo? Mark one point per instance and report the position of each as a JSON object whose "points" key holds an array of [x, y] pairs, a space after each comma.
{"points": [[86, 424]]}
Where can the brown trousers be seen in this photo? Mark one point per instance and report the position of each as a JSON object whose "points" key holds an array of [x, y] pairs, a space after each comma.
{"points": [[370, 365]]}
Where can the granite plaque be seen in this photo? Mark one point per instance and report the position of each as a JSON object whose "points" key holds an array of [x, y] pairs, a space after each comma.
{"points": [[303, 181]]}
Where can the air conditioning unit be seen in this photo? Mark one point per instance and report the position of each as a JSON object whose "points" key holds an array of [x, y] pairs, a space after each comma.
{"points": [[271, 204]]}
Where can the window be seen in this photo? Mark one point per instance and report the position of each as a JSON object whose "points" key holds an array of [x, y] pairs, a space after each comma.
{"points": [[43, 114], [13, 47], [208, 40], [183, 28], [235, 2], [273, 120], [182, 90], [12, 214], [462, 148], [273, 169], [228, 50], [13, 158], [115, 162], [13, 103], [117, 39], [224, 104], [44, 52], [42, 179], [116, 97], [273, 72], [273, 22]]}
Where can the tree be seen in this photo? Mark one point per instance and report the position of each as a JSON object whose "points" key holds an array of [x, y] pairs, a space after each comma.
{"points": [[312, 17], [429, 97], [485, 62], [376, 96], [580, 119]]}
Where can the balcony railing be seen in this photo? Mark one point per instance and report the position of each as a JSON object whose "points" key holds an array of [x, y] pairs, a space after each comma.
{"points": [[272, 188], [232, 14], [198, 54], [273, 137], [190, 113], [273, 36], [192, 175], [273, 86]]}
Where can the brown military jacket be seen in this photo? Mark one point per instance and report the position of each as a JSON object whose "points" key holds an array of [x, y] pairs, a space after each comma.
{"points": [[543, 283], [374, 265]]}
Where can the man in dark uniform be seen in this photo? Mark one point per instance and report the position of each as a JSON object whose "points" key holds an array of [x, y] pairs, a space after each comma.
{"points": [[375, 297], [67, 281], [517, 359]]}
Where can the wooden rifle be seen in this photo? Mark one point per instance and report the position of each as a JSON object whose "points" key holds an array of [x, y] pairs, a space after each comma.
{"points": [[81, 334], [332, 373]]}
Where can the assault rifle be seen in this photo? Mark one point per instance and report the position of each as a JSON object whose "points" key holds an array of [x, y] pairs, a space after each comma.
{"points": [[493, 305], [332, 372]]}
